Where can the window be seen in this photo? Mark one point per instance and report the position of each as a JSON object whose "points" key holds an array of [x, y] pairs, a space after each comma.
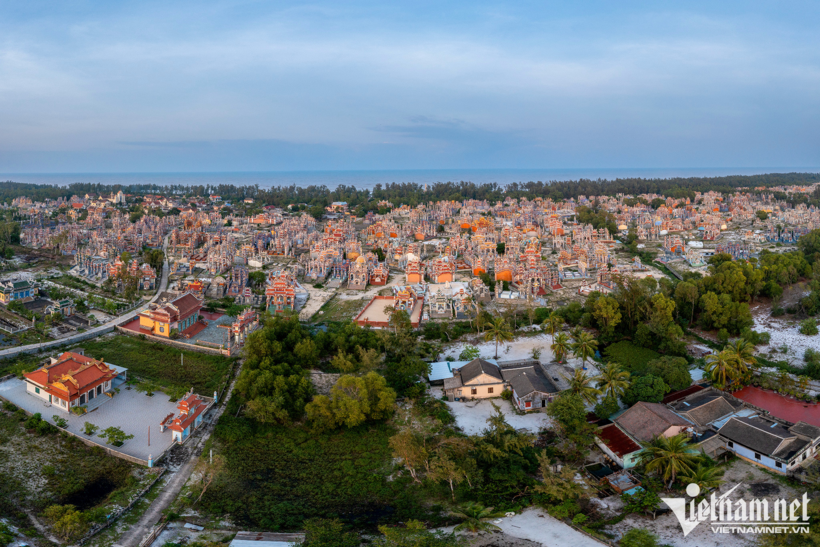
{"points": [[730, 444], [489, 390], [37, 390], [778, 465], [162, 329], [528, 404], [473, 391], [757, 456]]}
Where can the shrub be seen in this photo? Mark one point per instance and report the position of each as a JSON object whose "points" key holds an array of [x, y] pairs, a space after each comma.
{"points": [[639, 537], [808, 327], [89, 428], [723, 336], [60, 422], [649, 388], [469, 353], [506, 394]]}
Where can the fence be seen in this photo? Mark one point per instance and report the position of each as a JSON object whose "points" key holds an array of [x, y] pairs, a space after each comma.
{"points": [[118, 514], [155, 532]]}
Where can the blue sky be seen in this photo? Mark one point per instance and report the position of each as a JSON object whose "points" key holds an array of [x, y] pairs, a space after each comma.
{"points": [[255, 86]]}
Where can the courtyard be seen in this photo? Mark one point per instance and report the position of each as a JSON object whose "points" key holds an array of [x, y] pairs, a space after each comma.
{"points": [[133, 412]]}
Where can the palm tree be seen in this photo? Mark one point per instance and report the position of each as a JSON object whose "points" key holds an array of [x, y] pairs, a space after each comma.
{"points": [[613, 380], [552, 323], [584, 346], [499, 331], [476, 518], [669, 457], [721, 366], [581, 384], [704, 476], [560, 346], [742, 353]]}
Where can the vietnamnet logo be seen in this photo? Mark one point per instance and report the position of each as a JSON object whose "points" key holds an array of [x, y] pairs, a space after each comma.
{"points": [[739, 516]]}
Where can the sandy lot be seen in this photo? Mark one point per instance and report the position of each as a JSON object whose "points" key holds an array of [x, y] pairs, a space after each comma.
{"points": [[755, 484], [472, 417], [784, 332], [536, 525]]}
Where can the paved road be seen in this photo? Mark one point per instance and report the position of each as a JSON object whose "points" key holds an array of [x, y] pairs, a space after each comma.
{"points": [[98, 330], [171, 488]]}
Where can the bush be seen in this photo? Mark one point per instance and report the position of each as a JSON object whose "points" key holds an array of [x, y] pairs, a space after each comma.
{"points": [[469, 353], [60, 422], [89, 428], [639, 537], [506, 394], [649, 388], [606, 408], [755, 338], [808, 327], [723, 336]]}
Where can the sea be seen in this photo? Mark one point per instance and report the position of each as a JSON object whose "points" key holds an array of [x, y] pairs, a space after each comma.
{"points": [[368, 179]]}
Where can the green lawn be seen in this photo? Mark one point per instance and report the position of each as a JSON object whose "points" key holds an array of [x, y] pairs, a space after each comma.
{"points": [[160, 364], [633, 358]]}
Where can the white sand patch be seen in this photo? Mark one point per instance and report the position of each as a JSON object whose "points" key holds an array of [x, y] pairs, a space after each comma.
{"points": [[784, 334], [472, 417], [536, 525], [520, 348]]}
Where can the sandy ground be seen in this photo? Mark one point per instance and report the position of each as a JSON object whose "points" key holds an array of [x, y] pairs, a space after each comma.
{"points": [[472, 417], [316, 300], [520, 348], [784, 333], [755, 484], [536, 525]]}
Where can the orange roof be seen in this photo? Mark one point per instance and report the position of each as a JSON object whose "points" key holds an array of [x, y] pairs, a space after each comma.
{"points": [[71, 374]]}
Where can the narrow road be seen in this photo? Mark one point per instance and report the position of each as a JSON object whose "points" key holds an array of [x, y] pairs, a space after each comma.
{"points": [[172, 487], [98, 330]]}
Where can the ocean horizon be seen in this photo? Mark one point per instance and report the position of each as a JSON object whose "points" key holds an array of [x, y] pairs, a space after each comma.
{"points": [[367, 179]]}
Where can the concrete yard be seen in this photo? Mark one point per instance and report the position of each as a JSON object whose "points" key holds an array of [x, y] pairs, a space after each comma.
{"points": [[472, 417], [131, 411]]}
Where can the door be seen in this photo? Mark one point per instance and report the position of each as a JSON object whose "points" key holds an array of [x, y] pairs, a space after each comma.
{"points": [[82, 399], [49, 399]]}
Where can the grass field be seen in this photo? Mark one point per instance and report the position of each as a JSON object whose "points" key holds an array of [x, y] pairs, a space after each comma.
{"points": [[40, 470], [340, 310], [275, 477], [160, 364]]}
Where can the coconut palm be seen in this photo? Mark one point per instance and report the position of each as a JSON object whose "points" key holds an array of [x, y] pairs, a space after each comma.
{"points": [[742, 353], [613, 380], [580, 384], [584, 346], [669, 457], [704, 476], [499, 331], [552, 323], [560, 346], [721, 366], [476, 518]]}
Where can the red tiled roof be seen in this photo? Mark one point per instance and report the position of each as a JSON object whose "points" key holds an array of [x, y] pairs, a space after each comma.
{"points": [[617, 441], [187, 304], [71, 374]]}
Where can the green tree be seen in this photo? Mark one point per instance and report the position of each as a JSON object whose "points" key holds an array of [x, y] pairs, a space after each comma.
{"points": [[580, 384], [706, 477], [639, 537], [648, 388], [607, 313], [408, 446], [476, 518], [721, 367], [115, 436], [67, 522], [741, 352], [669, 457], [686, 293], [352, 401], [561, 346], [552, 323], [584, 346], [570, 415], [606, 408], [613, 380], [673, 370], [415, 535], [559, 486], [498, 331], [328, 533], [469, 353]]}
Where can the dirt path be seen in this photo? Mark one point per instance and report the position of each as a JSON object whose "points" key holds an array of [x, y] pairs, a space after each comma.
{"points": [[171, 488]]}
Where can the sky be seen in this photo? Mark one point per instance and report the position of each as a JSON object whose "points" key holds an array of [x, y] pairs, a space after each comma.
{"points": [[146, 86]]}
